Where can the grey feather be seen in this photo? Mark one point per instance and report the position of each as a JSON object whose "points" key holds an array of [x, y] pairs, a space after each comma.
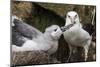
{"points": [[17, 38], [25, 29]]}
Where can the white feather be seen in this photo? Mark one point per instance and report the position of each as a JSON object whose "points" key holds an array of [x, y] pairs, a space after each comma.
{"points": [[47, 42], [76, 36]]}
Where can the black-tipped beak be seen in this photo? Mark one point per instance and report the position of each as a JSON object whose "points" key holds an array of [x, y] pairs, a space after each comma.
{"points": [[63, 29]]}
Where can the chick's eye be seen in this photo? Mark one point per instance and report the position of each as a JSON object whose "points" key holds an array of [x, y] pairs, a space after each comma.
{"points": [[74, 22], [55, 29]]}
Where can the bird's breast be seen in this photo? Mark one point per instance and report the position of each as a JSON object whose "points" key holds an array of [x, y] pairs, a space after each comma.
{"points": [[53, 48], [76, 36]]}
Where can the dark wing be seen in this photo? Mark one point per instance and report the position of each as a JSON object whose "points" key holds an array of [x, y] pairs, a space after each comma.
{"points": [[17, 38], [25, 29]]}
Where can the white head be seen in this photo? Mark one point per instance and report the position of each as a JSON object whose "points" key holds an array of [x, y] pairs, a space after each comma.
{"points": [[54, 31], [72, 18]]}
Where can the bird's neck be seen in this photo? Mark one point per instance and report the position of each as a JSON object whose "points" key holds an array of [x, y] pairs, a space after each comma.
{"points": [[47, 36]]}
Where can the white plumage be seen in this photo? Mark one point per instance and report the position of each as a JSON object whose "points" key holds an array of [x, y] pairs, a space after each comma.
{"points": [[76, 36], [32, 39]]}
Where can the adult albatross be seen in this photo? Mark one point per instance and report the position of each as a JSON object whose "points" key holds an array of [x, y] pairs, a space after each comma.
{"points": [[76, 36]]}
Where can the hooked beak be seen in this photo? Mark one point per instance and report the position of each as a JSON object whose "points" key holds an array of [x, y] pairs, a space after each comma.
{"points": [[64, 28]]}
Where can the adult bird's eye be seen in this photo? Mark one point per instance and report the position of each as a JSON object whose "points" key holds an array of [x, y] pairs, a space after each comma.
{"points": [[75, 16], [68, 16], [55, 29]]}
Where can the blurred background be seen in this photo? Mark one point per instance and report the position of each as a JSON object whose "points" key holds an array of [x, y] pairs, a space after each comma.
{"points": [[42, 15]]}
